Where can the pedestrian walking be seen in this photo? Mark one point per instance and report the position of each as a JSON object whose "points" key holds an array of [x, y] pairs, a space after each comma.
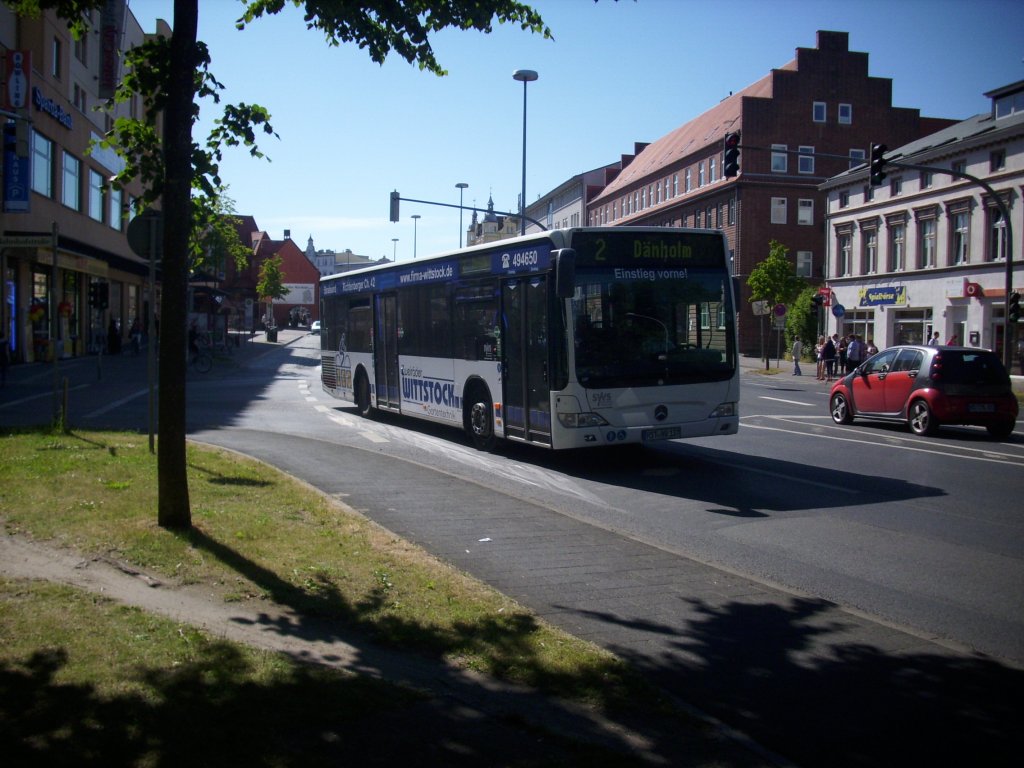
{"points": [[829, 353], [797, 350], [854, 353]]}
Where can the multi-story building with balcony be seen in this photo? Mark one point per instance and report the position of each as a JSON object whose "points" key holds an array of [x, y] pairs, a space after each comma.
{"points": [[926, 251], [801, 124], [63, 224]]}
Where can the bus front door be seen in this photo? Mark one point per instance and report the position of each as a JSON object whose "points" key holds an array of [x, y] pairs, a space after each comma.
{"points": [[527, 401], [385, 351]]}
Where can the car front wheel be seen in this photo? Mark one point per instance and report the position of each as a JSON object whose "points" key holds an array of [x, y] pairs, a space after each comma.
{"points": [[921, 419], [840, 409]]}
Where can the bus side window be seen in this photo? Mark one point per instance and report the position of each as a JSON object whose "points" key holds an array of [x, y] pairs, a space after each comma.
{"points": [[476, 311], [359, 319]]}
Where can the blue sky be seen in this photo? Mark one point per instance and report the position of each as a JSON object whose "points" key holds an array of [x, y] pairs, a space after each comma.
{"points": [[351, 130]]}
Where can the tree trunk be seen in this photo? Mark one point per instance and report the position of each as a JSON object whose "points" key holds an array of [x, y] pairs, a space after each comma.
{"points": [[174, 508]]}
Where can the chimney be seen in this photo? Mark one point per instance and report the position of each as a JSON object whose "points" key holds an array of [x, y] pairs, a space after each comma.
{"points": [[287, 234]]}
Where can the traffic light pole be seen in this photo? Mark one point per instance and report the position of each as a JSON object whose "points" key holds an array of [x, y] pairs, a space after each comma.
{"points": [[394, 209]]}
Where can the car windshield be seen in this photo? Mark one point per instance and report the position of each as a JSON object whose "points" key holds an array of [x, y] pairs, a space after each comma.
{"points": [[644, 332]]}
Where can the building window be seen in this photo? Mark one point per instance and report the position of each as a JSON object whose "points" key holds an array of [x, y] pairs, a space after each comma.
{"points": [[55, 69], [960, 242], [843, 251], [805, 211], [996, 235], [845, 114], [70, 191], [700, 174], [82, 49], [709, 217], [1009, 104], [819, 112], [115, 208], [926, 234], [857, 157], [675, 185], [643, 199], [95, 195], [927, 179], [997, 161], [804, 263], [869, 193], [780, 159], [897, 243], [666, 189], [958, 166], [778, 210], [869, 254], [732, 211], [688, 180], [712, 178], [79, 98], [844, 199], [42, 165], [896, 186], [806, 160]]}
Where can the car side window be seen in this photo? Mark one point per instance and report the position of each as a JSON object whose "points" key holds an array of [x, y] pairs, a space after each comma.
{"points": [[908, 360], [878, 362]]}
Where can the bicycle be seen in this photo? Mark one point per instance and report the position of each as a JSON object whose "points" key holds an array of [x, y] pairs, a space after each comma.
{"points": [[200, 360]]}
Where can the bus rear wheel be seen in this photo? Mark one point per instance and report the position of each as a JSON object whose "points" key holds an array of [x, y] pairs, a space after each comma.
{"points": [[362, 395], [479, 419]]}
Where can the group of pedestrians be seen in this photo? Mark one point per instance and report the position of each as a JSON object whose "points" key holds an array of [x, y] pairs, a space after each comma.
{"points": [[834, 355]]}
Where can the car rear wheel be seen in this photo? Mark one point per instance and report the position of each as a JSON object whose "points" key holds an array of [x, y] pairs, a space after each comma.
{"points": [[1001, 431], [840, 409], [920, 418]]}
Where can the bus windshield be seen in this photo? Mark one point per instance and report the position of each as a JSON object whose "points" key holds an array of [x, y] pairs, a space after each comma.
{"points": [[638, 331]]}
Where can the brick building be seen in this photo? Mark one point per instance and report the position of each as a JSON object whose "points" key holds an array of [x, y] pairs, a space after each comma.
{"points": [[821, 103], [301, 278]]}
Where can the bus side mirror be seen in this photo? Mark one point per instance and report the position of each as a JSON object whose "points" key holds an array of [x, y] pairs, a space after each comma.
{"points": [[565, 273]]}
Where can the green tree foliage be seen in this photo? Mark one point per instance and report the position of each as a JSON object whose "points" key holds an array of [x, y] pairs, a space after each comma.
{"points": [[173, 76], [775, 279]]}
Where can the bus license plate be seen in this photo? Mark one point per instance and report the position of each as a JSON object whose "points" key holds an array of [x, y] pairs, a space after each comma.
{"points": [[665, 433]]}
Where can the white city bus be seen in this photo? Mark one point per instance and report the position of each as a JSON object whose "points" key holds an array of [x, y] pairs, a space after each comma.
{"points": [[565, 339]]}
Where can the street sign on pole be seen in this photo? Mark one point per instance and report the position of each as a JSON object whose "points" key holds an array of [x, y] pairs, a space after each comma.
{"points": [[145, 234]]}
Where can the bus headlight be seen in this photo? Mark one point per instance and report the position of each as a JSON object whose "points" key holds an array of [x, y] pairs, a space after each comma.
{"points": [[725, 409], [581, 420]]}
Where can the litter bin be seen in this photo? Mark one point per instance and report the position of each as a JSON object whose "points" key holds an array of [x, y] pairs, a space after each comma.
{"points": [[272, 334]]}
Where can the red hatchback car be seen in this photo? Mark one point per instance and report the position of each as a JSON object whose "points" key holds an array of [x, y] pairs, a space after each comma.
{"points": [[928, 386]]}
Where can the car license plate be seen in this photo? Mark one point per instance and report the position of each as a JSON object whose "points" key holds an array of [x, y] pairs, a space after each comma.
{"points": [[981, 407], [664, 433]]}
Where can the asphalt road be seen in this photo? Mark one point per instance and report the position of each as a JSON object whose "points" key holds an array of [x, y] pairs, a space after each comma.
{"points": [[809, 586]]}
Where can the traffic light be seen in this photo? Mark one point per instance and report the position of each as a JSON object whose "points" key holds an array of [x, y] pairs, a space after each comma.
{"points": [[394, 205], [1013, 308], [731, 164], [99, 295], [816, 301], [878, 164]]}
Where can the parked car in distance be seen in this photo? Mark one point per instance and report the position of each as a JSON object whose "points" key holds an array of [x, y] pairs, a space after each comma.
{"points": [[314, 327], [926, 387]]}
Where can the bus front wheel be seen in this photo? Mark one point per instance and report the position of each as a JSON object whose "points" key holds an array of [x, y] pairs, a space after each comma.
{"points": [[362, 395], [480, 419]]}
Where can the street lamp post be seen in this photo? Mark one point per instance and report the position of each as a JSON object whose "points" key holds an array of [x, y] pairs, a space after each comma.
{"points": [[394, 249], [415, 223], [462, 187], [525, 76]]}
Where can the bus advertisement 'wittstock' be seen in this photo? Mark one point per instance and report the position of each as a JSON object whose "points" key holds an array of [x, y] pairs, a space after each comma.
{"points": [[567, 339]]}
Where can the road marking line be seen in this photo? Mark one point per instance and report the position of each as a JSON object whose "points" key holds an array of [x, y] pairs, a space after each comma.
{"points": [[117, 403], [791, 402]]}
